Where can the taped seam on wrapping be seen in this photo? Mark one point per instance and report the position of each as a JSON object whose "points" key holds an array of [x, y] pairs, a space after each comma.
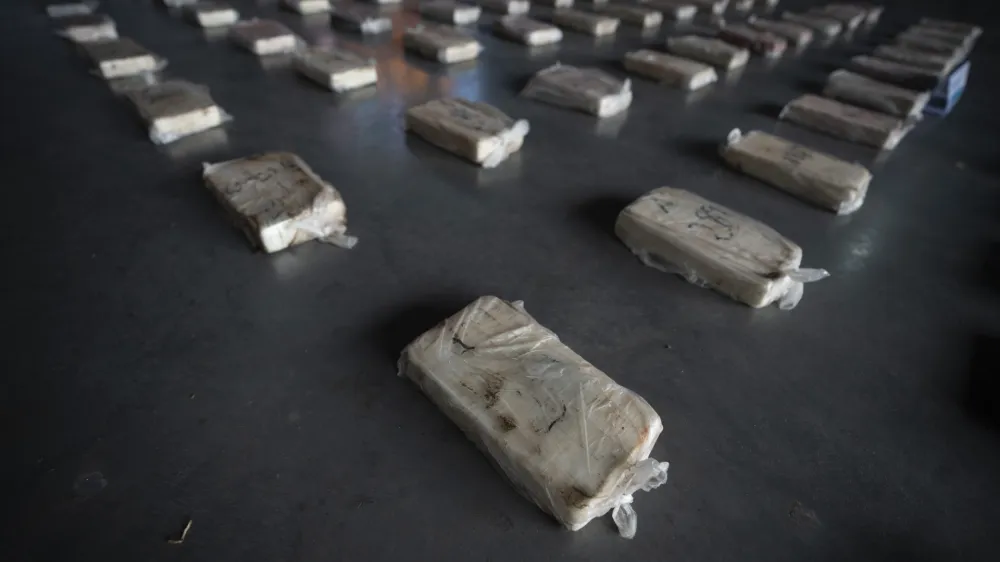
{"points": [[508, 140]]}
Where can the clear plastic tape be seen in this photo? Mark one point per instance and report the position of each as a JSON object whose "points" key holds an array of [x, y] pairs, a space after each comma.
{"points": [[508, 140]]}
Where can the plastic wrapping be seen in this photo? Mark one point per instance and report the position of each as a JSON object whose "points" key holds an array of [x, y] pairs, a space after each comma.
{"points": [[585, 22], [668, 69], [798, 35], [306, 7], [763, 43], [336, 69], [825, 26], [87, 29], [449, 11], [846, 86], [475, 131], [441, 43], [678, 232], [278, 201], [847, 122], [175, 109], [117, 58], [676, 10], [850, 16], [212, 14], [954, 26], [715, 52], [808, 174], [934, 43], [903, 75], [65, 9], [642, 16], [939, 64], [565, 435], [584, 89], [360, 19], [527, 31], [554, 3], [264, 37], [507, 7]]}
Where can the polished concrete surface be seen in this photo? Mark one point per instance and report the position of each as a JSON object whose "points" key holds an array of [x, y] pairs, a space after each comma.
{"points": [[158, 370]]}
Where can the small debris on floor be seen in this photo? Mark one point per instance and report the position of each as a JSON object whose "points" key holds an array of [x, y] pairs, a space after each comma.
{"points": [[183, 535]]}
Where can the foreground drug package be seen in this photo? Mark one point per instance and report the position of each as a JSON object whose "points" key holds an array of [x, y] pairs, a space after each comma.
{"points": [[904, 75], [360, 19], [447, 11], [508, 7], [846, 86], [86, 29], [810, 175], [441, 43], [715, 52], [670, 70], [278, 201], [565, 434], [763, 43], [117, 58], [212, 14], [585, 89], [798, 35], [306, 7], [175, 109], [676, 231], [847, 122], [264, 37], [827, 27], [475, 131], [584, 22], [527, 31], [336, 69], [636, 15]]}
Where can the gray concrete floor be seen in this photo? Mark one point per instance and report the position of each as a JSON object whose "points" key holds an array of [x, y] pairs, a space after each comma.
{"points": [[161, 371]]}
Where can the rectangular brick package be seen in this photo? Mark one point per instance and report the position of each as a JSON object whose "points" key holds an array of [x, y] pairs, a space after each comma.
{"points": [[847, 122], [585, 89], [475, 131], [852, 88], [715, 52], [668, 69]]}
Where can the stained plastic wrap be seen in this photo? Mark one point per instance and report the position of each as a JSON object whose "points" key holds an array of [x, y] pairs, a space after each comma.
{"points": [[306, 7], [278, 201], [65, 9], [175, 109], [87, 29], [763, 43], [584, 89], [642, 16], [904, 75], [808, 174], [676, 10], [508, 7], [360, 19], [449, 11], [939, 64], [118, 58], [798, 35], [264, 37], [527, 31], [668, 69], [586, 22], [715, 52], [827, 27], [678, 232], [441, 43], [847, 122], [846, 86], [475, 131], [336, 69], [564, 434], [212, 14]]}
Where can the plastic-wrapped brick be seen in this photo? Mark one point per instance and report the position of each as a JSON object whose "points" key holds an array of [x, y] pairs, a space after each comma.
{"points": [[360, 19], [637, 15], [715, 52], [448, 11], [212, 14], [306, 7], [554, 3], [175, 109], [117, 58], [716, 7], [939, 64], [847, 122], [527, 31], [855, 89], [475, 131], [798, 35], [508, 7], [564, 434], [584, 89], [278, 201], [678, 232], [933, 43], [264, 37], [441, 43], [87, 29], [827, 27], [849, 15], [668, 69], [676, 10], [763, 43], [810, 175], [65, 9], [585, 22], [904, 75], [959, 27], [336, 69]]}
